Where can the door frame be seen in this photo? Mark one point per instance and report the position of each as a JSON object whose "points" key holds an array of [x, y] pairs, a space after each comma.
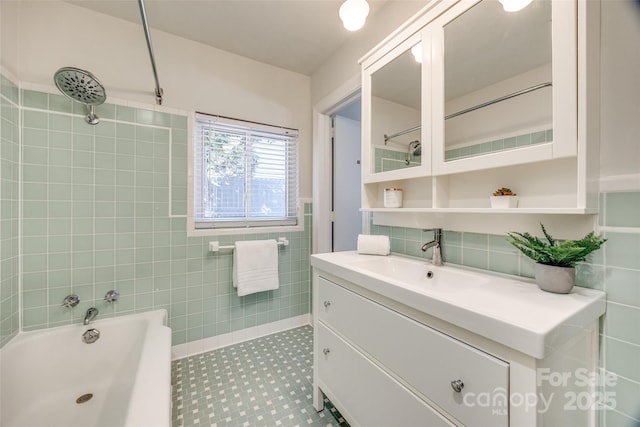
{"points": [[322, 160]]}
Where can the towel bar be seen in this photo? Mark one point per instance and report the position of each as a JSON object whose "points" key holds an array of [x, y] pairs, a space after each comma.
{"points": [[215, 245]]}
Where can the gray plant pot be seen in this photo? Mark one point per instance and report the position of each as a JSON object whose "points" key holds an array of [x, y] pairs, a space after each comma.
{"points": [[559, 280]]}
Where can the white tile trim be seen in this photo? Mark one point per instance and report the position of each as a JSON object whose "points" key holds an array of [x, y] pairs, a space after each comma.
{"points": [[207, 344], [52, 90], [9, 75], [629, 182], [622, 230]]}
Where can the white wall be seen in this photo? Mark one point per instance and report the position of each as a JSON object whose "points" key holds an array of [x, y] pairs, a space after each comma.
{"points": [[388, 118], [523, 114], [620, 88], [194, 77], [8, 38]]}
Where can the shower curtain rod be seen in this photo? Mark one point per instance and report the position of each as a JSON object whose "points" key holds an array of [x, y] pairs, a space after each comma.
{"points": [[402, 132], [477, 107], [495, 101], [159, 91]]}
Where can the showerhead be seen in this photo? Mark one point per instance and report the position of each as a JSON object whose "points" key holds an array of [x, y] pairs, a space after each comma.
{"points": [[81, 86]]}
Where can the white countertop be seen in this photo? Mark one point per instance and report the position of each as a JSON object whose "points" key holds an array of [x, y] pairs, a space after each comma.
{"points": [[515, 313]]}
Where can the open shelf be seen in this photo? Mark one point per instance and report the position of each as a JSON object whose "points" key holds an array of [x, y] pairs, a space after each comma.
{"points": [[512, 211]]}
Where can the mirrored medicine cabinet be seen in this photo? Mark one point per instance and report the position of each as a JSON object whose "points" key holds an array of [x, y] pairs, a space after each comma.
{"points": [[493, 89], [498, 99]]}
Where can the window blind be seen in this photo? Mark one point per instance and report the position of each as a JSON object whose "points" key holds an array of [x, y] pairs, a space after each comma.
{"points": [[245, 174]]}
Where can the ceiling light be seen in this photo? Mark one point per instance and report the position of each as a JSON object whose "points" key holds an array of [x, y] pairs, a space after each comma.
{"points": [[416, 51], [514, 5], [353, 14]]}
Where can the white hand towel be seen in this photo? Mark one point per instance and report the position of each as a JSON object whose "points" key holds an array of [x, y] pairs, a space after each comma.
{"points": [[373, 245], [255, 266]]}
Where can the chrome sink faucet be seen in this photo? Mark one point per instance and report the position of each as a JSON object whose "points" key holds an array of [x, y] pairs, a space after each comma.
{"points": [[90, 315], [435, 244]]}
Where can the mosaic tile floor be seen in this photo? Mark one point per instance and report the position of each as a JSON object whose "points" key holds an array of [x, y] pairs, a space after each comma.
{"points": [[263, 382]]}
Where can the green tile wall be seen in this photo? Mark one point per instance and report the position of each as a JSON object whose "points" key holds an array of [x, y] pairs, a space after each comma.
{"points": [[504, 144], [104, 208], [620, 271], [615, 268], [9, 210], [389, 160]]}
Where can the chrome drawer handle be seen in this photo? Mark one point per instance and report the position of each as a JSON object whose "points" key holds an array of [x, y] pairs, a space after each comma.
{"points": [[326, 351], [457, 385], [327, 304]]}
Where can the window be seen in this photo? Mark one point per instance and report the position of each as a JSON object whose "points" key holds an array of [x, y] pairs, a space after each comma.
{"points": [[245, 174]]}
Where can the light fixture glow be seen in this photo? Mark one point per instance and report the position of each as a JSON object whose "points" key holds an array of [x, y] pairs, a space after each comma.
{"points": [[514, 5], [416, 51], [353, 14]]}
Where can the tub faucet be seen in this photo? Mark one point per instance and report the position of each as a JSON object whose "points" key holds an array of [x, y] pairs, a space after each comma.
{"points": [[90, 315], [435, 244]]}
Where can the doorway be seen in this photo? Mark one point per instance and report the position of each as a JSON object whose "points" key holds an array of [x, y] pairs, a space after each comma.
{"points": [[346, 177], [322, 187]]}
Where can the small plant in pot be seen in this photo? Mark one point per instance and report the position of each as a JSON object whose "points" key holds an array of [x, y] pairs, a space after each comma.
{"points": [[555, 259], [504, 198]]}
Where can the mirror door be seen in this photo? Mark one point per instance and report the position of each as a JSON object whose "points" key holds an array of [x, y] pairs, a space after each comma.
{"points": [[504, 85], [396, 142]]}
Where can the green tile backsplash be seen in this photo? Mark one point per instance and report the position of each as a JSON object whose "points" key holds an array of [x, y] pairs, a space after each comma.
{"points": [[104, 208], [615, 269]]}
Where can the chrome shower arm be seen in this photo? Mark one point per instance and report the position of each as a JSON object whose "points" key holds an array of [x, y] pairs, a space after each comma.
{"points": [[143, 14]]}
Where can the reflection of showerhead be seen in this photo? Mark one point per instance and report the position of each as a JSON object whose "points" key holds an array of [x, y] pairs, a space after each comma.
{"points": [[83, 87], [415, 148]]}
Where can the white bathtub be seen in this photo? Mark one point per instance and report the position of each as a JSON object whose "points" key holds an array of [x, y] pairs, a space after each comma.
{"points": [[128, 371]]}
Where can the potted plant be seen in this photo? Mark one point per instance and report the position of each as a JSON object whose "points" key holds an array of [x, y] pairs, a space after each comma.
{"points": [[504, 198], [555, 260]]}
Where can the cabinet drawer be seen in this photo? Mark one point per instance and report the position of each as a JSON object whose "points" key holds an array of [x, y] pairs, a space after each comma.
{"points": [[371, 396], [424, 358]]}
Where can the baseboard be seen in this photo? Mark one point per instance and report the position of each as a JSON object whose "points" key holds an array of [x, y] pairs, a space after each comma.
{"points": [[207, 344]]}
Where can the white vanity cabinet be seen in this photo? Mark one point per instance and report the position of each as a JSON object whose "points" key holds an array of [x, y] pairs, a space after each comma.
{"points": [[390, 355], [368, 395], [439, 369]]}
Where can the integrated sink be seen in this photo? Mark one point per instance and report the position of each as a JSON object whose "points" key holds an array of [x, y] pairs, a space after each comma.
{"points": [[421, 275], [509, 310]]}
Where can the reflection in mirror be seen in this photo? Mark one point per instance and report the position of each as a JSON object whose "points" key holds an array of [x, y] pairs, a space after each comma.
{"points": [[396, 113], [498, 79]]}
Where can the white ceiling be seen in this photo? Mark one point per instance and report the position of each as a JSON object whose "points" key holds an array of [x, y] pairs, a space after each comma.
{"points": [[297, 35]]}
